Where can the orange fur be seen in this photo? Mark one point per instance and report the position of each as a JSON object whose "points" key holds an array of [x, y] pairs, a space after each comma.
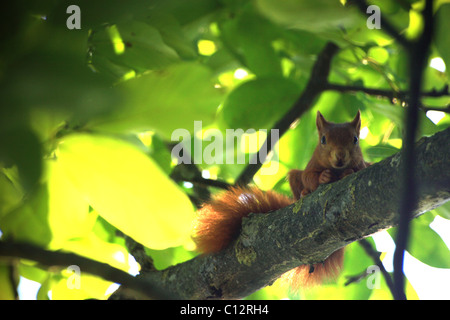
{"points": [[306, 276], [295, 182], [219, 221]]}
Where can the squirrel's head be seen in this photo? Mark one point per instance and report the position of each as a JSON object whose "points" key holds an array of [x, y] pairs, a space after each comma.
{"points": [[338, 142]]}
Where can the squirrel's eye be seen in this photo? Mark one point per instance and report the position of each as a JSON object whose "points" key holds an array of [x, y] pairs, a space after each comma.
{"points": [[355, 139], [323, 140]]}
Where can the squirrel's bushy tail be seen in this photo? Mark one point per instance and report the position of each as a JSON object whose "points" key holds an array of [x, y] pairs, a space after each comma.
{"points": [[306, 276], [219, 221]]}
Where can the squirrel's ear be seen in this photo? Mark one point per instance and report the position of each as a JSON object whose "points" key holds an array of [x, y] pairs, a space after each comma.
{"points": [[357, 121], [320, 121]]}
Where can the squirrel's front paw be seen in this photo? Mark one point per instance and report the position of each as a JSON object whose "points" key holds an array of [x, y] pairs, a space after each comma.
{"points": [[305, 192], [347, 172], [326, 176]]}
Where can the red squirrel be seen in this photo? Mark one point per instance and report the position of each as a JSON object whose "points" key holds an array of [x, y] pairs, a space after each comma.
{"points": [[337, 155]]}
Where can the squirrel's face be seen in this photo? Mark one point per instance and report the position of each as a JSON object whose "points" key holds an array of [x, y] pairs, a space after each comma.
{"points": [[339, 146], [339, 142]]}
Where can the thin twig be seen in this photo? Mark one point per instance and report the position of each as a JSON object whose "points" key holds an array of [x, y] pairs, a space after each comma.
{"points": [[440, 109], [403, 95], [209, 183], [386, 26], [314, 87], [371, 252], [137, 250]]}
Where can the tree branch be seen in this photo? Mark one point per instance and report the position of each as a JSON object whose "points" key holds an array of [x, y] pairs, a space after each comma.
{"points": [[141, 287], [402, 95], [308, 231]]}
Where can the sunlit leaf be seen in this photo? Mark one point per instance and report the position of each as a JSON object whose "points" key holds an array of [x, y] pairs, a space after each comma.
{"points": [[90, 287], [127, 189], [380, 54], [68, 214], [66, 286]]}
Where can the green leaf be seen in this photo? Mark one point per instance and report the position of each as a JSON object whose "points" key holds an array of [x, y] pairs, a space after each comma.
{"points": [[315, 16], [352, 104], [29, 222], [295, 150], [172, 34], [50, 80], [160, 153], [42, 293], [187, 12], [6, 285], [443, 211], [20, 147], [10, 196], [127, 189], [165, 101], [259, 103], [163, 259], [399, 17], [440, 38], [96, 13], [426, 126], [394, 113], [132, 45], [379, 54], [426, 245], [250, 38], [64, 284], [32, 271], [380, 151]]}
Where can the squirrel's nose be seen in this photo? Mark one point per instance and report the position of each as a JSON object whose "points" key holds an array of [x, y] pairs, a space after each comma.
{"points": [[340, 159]]}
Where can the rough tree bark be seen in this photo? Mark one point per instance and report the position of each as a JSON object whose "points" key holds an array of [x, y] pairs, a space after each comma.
{"points": [[308, 231]]}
